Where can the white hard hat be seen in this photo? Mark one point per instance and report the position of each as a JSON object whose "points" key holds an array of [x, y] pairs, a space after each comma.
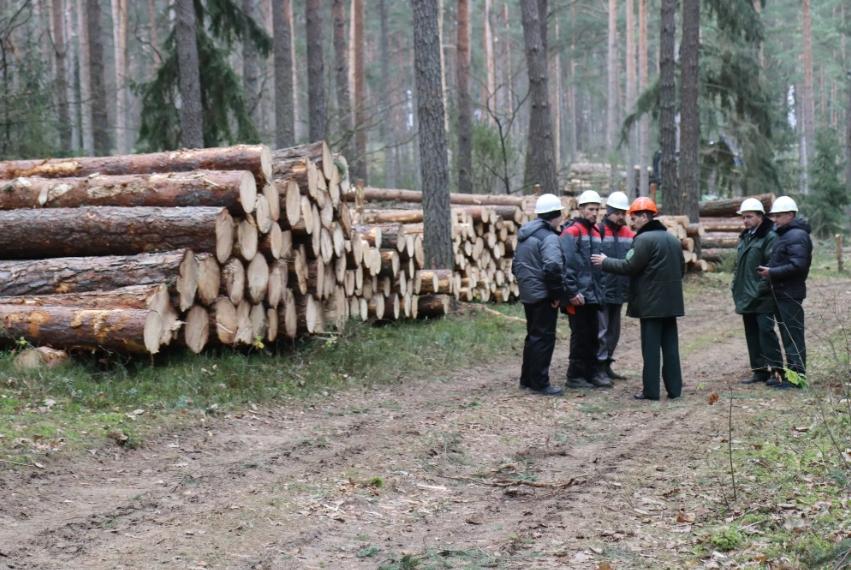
{"points": [[783, 204], [589, 197], [618, 200], [751, 205], [547, 203]]}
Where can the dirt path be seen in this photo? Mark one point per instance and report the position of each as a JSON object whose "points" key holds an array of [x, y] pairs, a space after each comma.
{"points": [[458, 471]]}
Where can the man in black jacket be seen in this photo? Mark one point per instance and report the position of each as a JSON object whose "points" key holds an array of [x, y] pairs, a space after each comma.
{"points": [[538, 267], [787, 271]]}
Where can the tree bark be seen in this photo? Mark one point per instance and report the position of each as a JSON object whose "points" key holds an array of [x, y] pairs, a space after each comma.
{"points": [[251, 67], [632, 139], [847, 21], [668, 104], [315, 70], [189, 76], [284, 118], [540, 154], [490, 65], [644, 122], [689, 183], [394, 195], [154, 38], [612, 89], [119, 28], [359, 168], [87, 130], [433, 306], [257, 159], [808, 98], [80, 274], [465, 119], [341, 75], [386, 126], [60, 51], [235, 190], [432, 136], [96, 69], [37, 234]]}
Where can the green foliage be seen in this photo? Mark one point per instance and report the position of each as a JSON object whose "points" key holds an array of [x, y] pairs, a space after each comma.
{"points": [[827, 203], [222, 97], [494, 159], [726, 538]]}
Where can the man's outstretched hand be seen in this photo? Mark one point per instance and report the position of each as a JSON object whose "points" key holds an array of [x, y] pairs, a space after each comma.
{"points": [[597, 259]]}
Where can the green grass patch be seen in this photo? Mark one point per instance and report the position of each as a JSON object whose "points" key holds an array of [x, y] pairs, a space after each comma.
{"points": [[90, 400]]}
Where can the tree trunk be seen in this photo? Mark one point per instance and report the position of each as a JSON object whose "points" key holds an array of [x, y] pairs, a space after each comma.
{"points": [[644, 122], [359, 168], [119, 29], [384, 94], [668, 104], [808, 98], [341, 75], [154, 38], [432, 136], [189, 77], [488, 100], [87, 129], [540, 155], [689, 183], [571, 90], [251, 68], [38, 234], [632, 139], [433, 306], [847, 21], [96, 70], [315, 70], [73, 78], [235, 190], [60, 50], [284, 119], [465, 119], [612, 89], [257, 159], [556, 99], [298, 122], [79, 274]]}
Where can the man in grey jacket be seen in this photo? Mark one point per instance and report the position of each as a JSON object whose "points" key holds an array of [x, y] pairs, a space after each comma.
{"points": [[537, 265]]}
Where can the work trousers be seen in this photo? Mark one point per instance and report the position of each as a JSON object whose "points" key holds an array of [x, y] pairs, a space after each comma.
{"points": [[660, 335], [763, 346], [789, 314], [609, 333], [583, 341], [541, 321]]}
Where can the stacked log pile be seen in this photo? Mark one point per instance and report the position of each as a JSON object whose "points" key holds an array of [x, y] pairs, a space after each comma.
{"points": [[722, 226]]}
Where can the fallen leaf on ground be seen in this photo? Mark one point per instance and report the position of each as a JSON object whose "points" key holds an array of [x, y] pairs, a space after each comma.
{"points": [[684, 517], [713, 397]]}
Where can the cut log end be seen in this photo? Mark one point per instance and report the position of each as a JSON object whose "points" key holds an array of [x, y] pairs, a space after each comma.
{"points": [[224, 236], [196, 330]]}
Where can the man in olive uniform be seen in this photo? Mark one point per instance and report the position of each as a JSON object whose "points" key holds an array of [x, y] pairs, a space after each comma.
{"points": [[538, 267], [656, 268], [751, 294], [787, 272]]}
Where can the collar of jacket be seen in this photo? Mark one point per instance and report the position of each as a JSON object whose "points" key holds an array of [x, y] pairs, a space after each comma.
{"points": [[589, 226], [762, 230], [652, 226]]}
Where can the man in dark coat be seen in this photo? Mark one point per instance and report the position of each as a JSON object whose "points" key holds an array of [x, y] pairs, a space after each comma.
{"points": [[617, 241], [787, 272], [656, 267], [751, 294], [538, 267], [583, 294]]}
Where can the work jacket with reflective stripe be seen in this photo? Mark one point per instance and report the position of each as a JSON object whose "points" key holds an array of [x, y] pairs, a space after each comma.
{"points": [[579, 240], [617, 240]]}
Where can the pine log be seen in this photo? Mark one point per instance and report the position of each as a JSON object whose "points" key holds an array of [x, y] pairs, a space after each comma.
{"points": [[244, 326], [196, 330], [289, 194], [119, 329], [209, 278], [257, 279], [431, 306], [263, 215], [288, 315], [392, 195], [272, 323], [389, 263], [375, 306], [431, 281], [272, 244], [391, 307], [716, 254], [234, 190], [257, 159], [392, 236], [259, 325], [317, 152], [733, 225], [720, 240], [307, 313], [233, 281], [276, 284], [224, 320], [247, 240], [391, 216], [33, 234], [286, 244], [274, 201], [729, 206], [371, 234]]}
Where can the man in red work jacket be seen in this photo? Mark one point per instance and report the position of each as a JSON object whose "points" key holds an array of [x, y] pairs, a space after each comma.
{"points": [[583, 293]]}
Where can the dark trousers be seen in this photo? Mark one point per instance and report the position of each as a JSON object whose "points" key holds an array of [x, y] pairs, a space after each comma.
{"points": [[583, 341], [609, 333], [660, 335], [541, 321], [763, 346], [789, 314]]}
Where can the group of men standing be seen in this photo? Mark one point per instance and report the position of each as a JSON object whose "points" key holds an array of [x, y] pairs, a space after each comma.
{"points": [[588, 270]]}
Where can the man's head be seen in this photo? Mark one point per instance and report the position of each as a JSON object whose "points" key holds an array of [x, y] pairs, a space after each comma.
{"points": [[642, 211], [588, 204], [752, 212], [783, 211], [548, 208], [616, 206]]}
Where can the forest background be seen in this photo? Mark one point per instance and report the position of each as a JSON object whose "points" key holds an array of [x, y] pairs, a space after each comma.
{"points": [[739, 97]]}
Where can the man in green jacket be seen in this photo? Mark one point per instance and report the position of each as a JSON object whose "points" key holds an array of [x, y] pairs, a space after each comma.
{"points": [[751, 293], [656, 267]]}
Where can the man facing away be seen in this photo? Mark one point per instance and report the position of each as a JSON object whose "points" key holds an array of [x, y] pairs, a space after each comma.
{"points": [[751, 294], [787, 272], [583, 293], [617, 241], [538, 267], [656, 268]]}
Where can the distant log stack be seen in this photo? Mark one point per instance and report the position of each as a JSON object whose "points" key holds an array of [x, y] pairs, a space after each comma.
{"points": [[722, 227]]}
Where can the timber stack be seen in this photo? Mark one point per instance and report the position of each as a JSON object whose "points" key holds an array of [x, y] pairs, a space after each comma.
{"points": [[722, 226]]}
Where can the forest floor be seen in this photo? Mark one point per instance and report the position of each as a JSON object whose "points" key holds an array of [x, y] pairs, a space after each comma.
{"points": [[464, 470]]}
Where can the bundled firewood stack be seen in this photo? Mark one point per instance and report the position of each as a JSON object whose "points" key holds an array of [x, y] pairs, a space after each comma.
{"points": [[722, 226]]}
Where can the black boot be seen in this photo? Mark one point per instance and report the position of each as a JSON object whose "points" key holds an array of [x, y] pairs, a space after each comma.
{"points": [[599, 378], [757, 377], [611, 373]]}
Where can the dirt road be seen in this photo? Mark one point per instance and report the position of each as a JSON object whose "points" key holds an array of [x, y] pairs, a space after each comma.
{"points": [[456, 471]]}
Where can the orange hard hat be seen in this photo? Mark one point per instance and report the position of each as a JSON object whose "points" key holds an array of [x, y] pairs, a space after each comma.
{"points": [[642, 204]]}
